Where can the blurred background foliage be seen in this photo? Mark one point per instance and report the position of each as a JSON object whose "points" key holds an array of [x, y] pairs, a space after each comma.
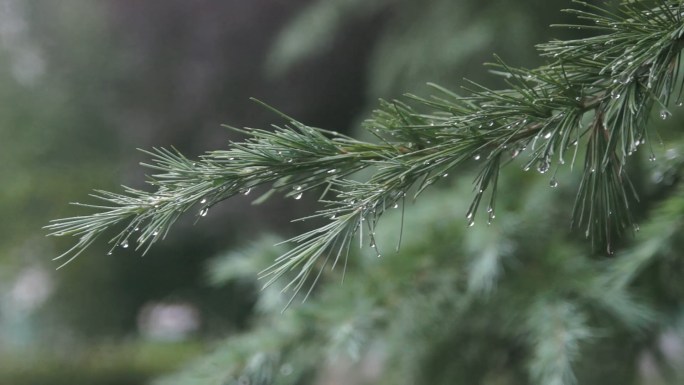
{"points": [[85, 83]]}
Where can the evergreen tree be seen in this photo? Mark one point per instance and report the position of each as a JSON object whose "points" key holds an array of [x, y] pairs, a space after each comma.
{"points": [[458, 304]]}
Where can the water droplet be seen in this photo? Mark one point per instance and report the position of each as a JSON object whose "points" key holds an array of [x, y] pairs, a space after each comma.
{"points": [[477, 157], [204, 212], [547, 135], [652, 158], [154, 234], [615, 94], [247, 191], [124, 243], [471, 223], [469, 215], [679, 104], [334, 216], [445, 175], [491, 124], [664, 114], [298, 196], [396, 206], [136, 229], [332, 171], [636, 227], [298, 188], [553, 182], [109, 253], [543, 166], [203, 201]]}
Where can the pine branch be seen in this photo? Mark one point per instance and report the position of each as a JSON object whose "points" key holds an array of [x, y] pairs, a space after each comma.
{"points": [[557, 328], [595, 94]]}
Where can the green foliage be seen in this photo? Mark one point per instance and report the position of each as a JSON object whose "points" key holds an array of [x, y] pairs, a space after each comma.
{"points": [[596, 91], [550, 308], [520, 301]]}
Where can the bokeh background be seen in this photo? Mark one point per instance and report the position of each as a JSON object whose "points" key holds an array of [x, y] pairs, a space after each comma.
{"points": [[83, 84]]}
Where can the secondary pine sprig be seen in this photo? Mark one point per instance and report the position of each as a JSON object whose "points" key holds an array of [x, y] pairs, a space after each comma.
{"points": [[593, 99]]}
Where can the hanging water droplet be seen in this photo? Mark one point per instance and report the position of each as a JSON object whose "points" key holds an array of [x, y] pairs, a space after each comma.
{"points": [[547, 135], [636, 227], [124, 243], [469, 215], [615, 94], [247, 191], [477, 157], [396, 206], [204, 212], [298, 188], [203, 201], [664, 114], [543, 166], [652, 158], [298, 196], [471, 222], [553, 182], [334, 216], [109, 253], [679, 104]]}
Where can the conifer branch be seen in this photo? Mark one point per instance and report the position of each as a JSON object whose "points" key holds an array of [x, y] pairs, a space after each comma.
{"points": [[593, 98]]}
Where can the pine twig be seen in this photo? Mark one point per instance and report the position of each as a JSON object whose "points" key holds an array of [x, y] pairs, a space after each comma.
{"points": [[595, 93]]}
